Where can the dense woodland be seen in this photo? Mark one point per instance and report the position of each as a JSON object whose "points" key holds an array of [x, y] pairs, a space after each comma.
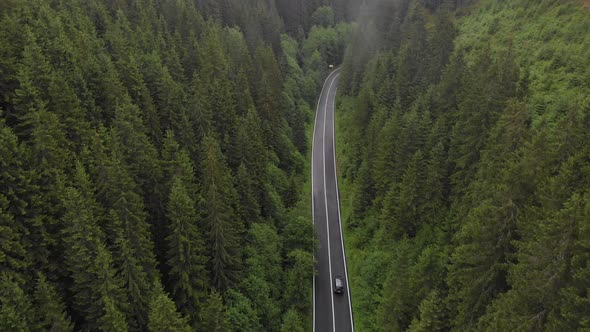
{"points": [[152, 161], [465, 157]]}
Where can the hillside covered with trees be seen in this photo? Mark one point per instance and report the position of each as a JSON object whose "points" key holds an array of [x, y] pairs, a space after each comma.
{"points": [[152, 161], [464, 154]]}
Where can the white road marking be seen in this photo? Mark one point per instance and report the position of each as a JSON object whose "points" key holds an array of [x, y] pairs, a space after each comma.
{"points": [[339, 215], [312, 168], [326, 203]]}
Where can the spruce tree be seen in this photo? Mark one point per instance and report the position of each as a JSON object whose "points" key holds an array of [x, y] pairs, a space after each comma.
{"points": [[49, 160], [15, 309], [212, 317], [223, 229], [297, 280], [186, 257], [241, 314], [249, 209], [117, 191], [163, 315], [50, 311], [14, 258], [292, 322], [432, 316], [97, 290], [263, 263], [139, 155], [254, 158]]}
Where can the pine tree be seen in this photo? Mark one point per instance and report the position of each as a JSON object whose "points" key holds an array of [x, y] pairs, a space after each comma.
{"points": [[403, 207], [249, 209], [266, 93], [222, 227], [241, 314], [31, 75], [432, 316], [97, 291], [292, 322], [117, 191], [127, 231], [113, 319], [50, 311], [136, 283], [141, 158], [14, 258], [253, 154], [49, 161], [15, 309], [212, 317], [198, 110], [297, 280], [263, 263], [186, 252], [164, 316]]}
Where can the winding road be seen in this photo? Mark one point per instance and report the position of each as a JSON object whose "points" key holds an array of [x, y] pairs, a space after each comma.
{"points": [[331, 312]]}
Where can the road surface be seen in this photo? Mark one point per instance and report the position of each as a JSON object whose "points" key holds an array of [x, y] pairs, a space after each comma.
{"points": [[331, 312]]}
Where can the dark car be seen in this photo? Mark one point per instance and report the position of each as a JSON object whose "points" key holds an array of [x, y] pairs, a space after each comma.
{"points": [[338, 285]]}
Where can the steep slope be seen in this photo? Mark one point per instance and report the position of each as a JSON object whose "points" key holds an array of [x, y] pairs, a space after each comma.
{"points": [[465, 163], [151, 162]]}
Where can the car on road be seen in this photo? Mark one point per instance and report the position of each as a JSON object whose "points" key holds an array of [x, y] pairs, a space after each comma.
{"points": [[338, 285]]}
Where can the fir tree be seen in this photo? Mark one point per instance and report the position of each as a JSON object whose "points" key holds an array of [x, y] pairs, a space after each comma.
{"points": [[186, 252], [14, 258], [163, 315], [241, 314], [432, 316], [50, 311], [212, 317], [292, 322], [15, 309], [97, 291], [222, 227]]}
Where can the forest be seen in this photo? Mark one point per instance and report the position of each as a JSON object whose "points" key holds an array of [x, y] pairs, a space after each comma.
{"points": [[152, 161], [464, 160]]}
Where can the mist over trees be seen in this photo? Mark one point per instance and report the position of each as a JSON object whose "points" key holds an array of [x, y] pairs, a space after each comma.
{"points": [[152, 155], [153, 161], [465, 156]]}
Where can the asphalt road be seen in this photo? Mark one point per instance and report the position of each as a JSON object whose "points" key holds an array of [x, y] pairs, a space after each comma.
{"points": [[331, 312]]}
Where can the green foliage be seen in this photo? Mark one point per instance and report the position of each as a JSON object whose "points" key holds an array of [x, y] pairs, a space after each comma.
{"points": [[213, 317], [240, 313], [431, 315], [223, 229], [13, 254], [466, 164], [186, 254], [148, 148], [292, 322], [50, 310], [263, 285], [98, 292], [15, 313], [298, 279], [163, 315], [323, 16]]}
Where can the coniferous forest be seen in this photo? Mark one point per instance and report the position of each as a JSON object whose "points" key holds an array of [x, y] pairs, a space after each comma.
{"points": [[464, 157], [154, 163]]}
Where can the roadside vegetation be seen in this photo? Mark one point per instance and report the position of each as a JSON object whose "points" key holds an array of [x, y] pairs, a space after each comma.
{"points": [[152, 161], [464, 156]]}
